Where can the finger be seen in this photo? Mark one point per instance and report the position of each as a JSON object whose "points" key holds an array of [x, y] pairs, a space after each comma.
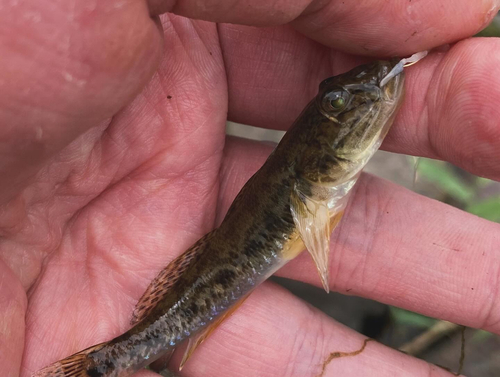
{"points": [[397, 247], [362, 28], [276, 334], [66, 67], [352, 26], [12, 311], [450, 111]]}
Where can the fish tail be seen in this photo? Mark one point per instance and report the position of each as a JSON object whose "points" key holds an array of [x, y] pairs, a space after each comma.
{"points": [[72, 366]]}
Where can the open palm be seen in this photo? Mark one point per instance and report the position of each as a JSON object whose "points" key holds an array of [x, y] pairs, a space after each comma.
{"points": [[98, 197]]}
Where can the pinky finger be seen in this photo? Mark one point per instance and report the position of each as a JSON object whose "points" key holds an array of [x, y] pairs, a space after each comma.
{"points": [[276, 334]]}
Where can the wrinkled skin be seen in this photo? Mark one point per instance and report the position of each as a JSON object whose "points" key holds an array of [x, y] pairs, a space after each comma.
{"points": [[107, 173]]}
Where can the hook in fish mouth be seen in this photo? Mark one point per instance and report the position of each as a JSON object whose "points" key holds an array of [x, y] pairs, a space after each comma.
{"points": [[403, 63]]}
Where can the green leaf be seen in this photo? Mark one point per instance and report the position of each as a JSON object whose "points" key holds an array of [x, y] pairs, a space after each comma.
{"points": [[483, 182], [488, 209], [440, 174], [481, 335], [492, 30], [408, 318]]}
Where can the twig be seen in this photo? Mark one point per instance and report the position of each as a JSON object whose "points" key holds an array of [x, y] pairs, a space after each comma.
{"points": [[429, 337], [462, 353]]}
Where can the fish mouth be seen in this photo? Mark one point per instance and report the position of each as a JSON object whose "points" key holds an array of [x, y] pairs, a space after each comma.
{"points": [[392, 90], [397, 68], [391, 80], [386, 75], [392, 69]]}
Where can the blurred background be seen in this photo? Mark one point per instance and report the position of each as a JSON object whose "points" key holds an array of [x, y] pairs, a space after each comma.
{"points": [[438, 342]]}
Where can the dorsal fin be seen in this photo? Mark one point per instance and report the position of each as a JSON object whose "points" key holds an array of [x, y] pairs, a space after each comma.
{"points": [[166, 279], [71, 366]]}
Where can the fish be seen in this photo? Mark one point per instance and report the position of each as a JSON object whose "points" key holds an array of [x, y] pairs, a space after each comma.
{"points": [[292, 203]]}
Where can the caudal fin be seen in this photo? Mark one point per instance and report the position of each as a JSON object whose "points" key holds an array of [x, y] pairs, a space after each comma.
{"points": [[72, 366]]}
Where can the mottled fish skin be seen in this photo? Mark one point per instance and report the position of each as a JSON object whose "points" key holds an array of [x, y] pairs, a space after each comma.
{"points": [[323, 149]]}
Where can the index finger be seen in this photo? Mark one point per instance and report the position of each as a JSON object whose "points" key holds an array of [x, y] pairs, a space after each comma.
{"points": [[375, 27]]}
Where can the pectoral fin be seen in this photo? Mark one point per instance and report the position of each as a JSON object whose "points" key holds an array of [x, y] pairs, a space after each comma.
{"points": [[312, 219], [195, 341], [315, 221]]}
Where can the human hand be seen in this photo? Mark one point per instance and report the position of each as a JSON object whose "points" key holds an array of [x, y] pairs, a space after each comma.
{"points": [[100, 193]]}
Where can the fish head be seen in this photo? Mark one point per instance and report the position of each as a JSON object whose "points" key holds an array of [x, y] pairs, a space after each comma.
{"points": [[358, 107]]}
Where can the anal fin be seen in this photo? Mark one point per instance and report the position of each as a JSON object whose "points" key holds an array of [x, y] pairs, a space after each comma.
{"points": [[195, 341], [161, 364], [166, 279]]}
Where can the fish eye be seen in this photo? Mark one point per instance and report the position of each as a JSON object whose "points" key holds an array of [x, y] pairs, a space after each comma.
{"points": [[335, 101]]}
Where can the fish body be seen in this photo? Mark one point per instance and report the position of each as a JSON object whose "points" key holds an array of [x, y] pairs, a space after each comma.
{"points": [[294, 201]]}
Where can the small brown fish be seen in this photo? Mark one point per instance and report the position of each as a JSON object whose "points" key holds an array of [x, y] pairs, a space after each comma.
{"points": [[293, 202]]}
